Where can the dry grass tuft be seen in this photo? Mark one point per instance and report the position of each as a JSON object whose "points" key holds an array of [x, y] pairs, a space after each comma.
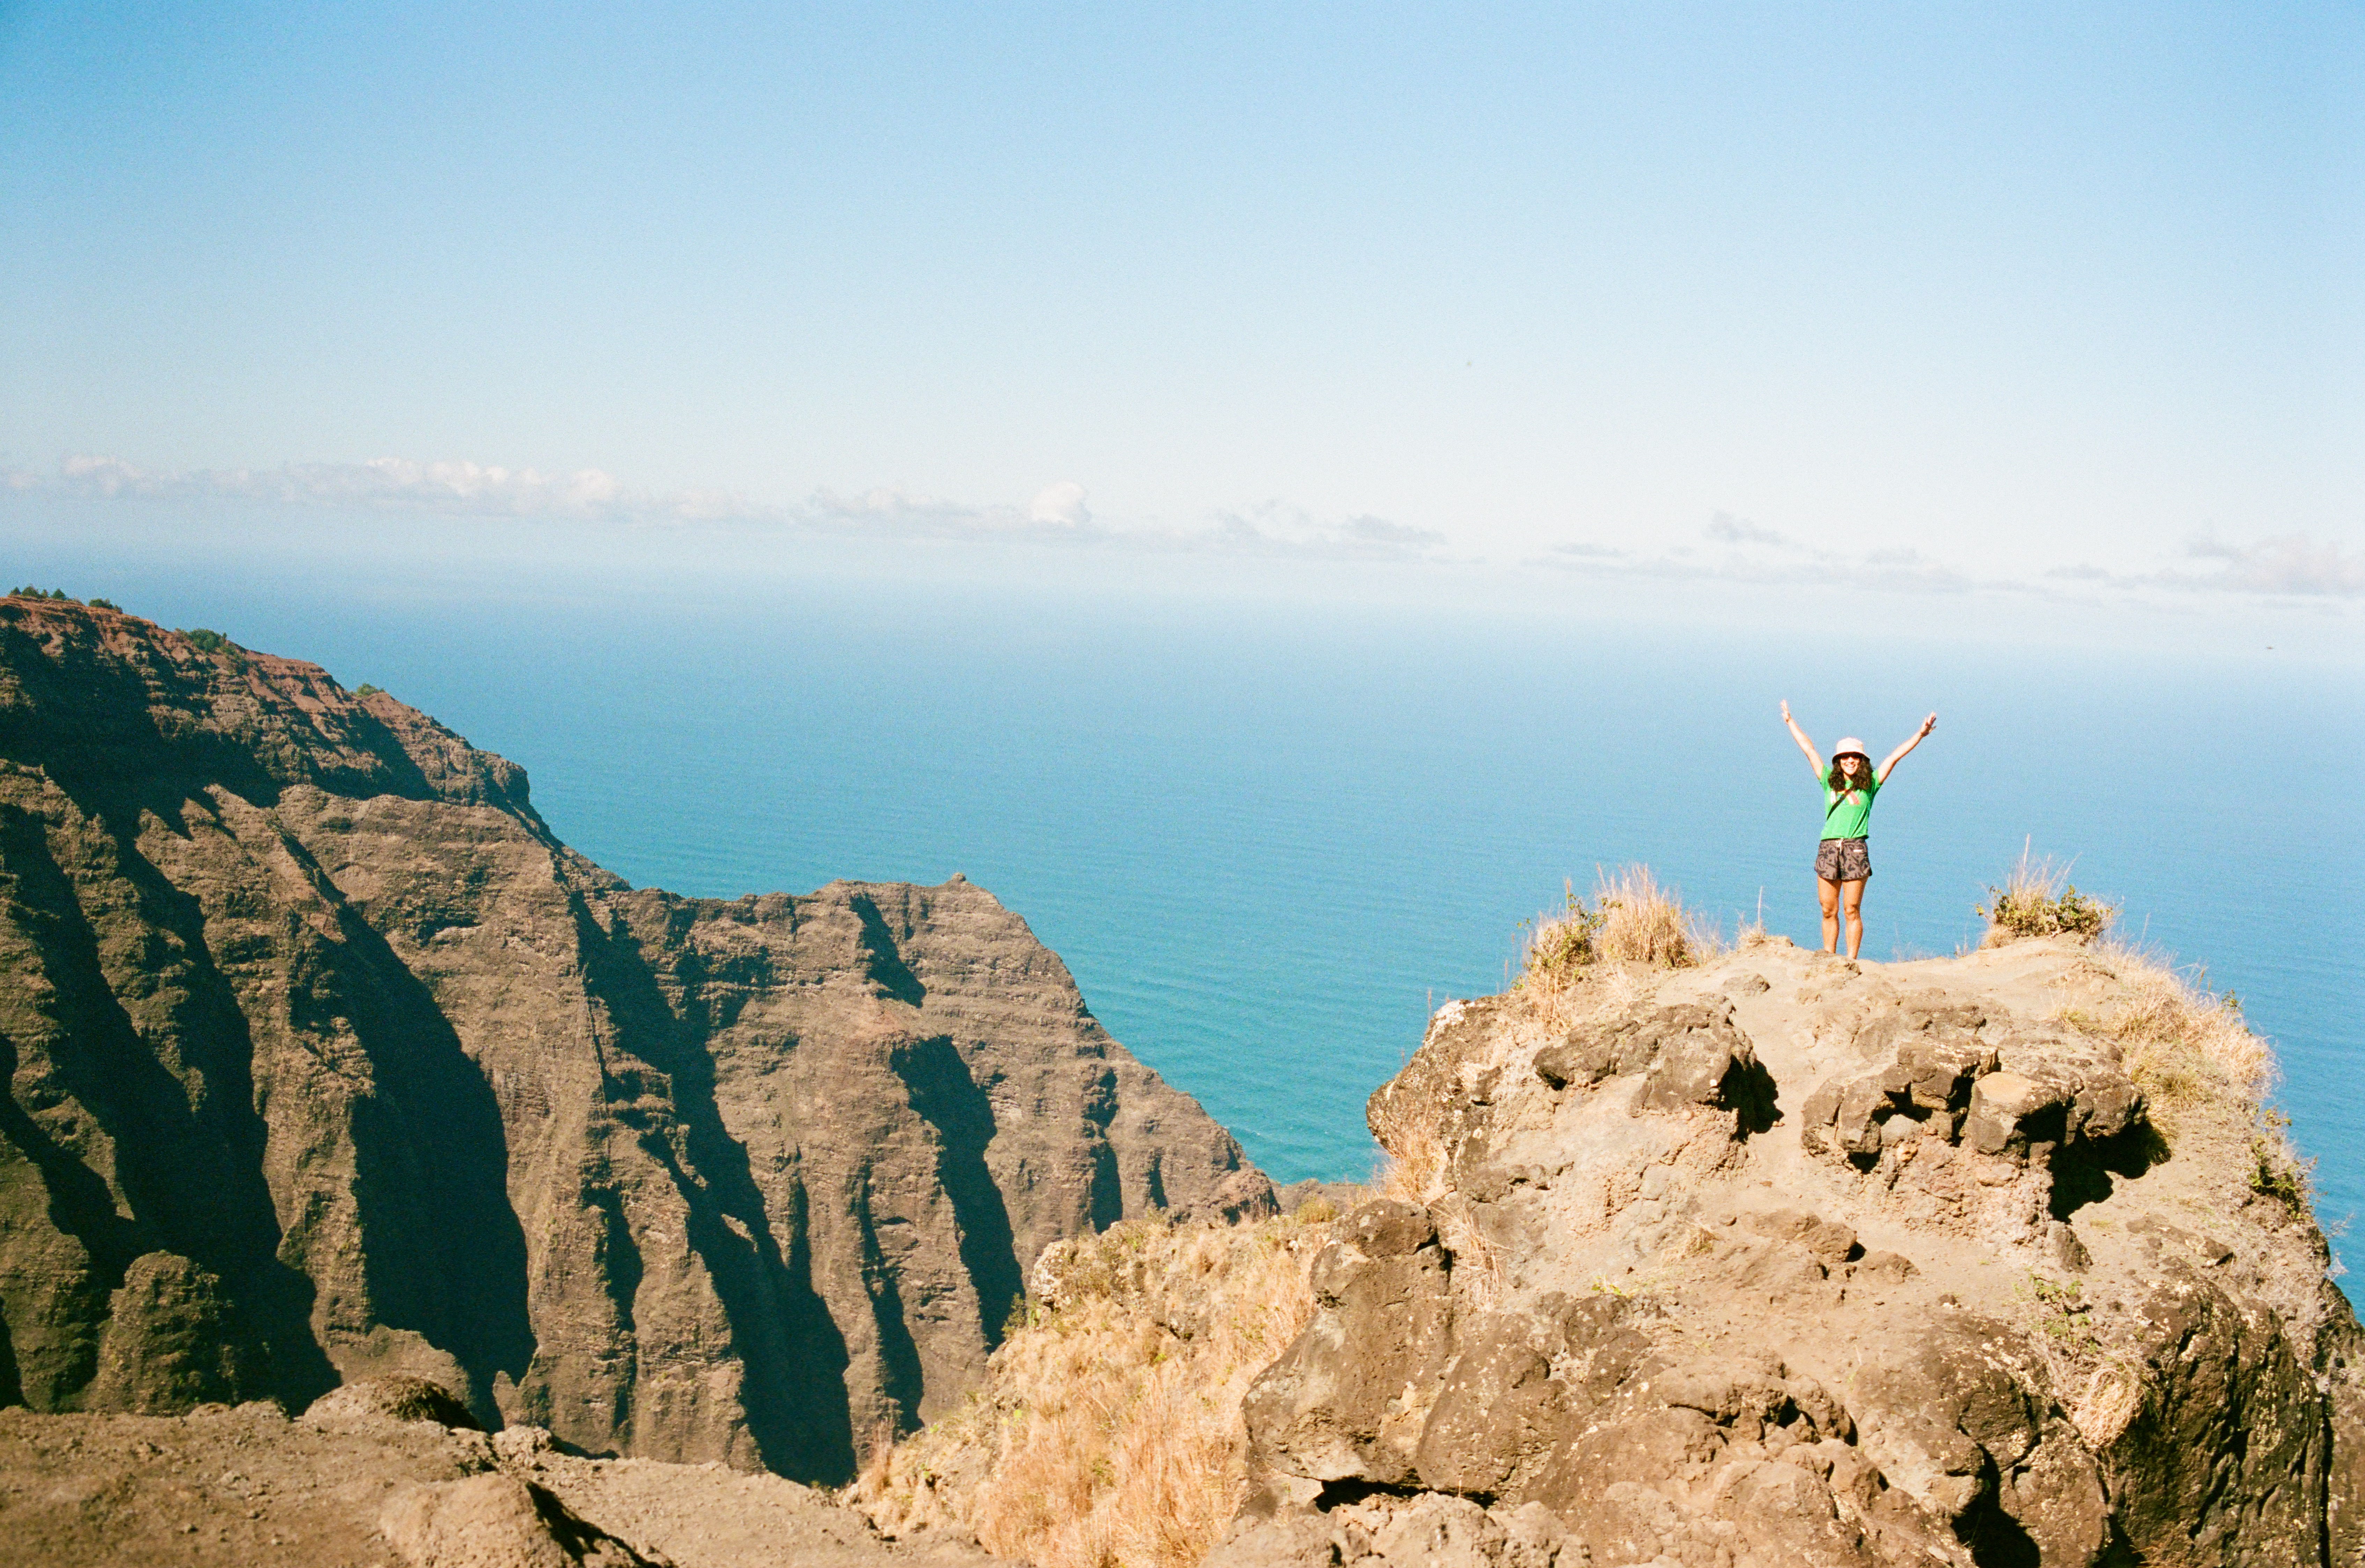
{"points": [[1642, 923], [1631, 920], [2037, 899], [1405, 1127], [2191, 1053], [1109, 1431], [2198, 1063], [2181, 1042]]}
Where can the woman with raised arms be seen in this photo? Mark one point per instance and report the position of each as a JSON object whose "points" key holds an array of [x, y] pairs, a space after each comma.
{"points": [[1844, 861]]}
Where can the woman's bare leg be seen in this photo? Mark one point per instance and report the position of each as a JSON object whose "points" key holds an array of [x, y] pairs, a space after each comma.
{"points": [[1852, 895], [1829, 894]]}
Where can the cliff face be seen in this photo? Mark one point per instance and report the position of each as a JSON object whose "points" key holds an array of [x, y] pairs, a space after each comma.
{"points": [[326, 1059], [1790, 1260]]}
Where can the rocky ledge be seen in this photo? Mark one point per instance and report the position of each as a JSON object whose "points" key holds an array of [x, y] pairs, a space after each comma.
{"points": [[1789, 1261], [325, 1060]]}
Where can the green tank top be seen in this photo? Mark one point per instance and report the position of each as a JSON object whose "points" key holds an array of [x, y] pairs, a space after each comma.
{"points": [[1845, 816]]}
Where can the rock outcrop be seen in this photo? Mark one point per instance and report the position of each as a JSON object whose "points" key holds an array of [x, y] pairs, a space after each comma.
{"points": [[325, 1061], [1790, 1260]]}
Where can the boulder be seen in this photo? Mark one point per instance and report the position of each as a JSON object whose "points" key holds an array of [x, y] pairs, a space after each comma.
{"points": [[401, 1399], [1335, 1406], [498, 1521]]}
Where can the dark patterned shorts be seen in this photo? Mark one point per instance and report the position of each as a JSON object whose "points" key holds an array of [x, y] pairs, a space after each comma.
{"points": [[1843, 860]]}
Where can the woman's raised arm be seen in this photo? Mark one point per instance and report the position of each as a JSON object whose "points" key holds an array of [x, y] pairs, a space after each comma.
{"points": [[1814, 757], [1898, 755]]}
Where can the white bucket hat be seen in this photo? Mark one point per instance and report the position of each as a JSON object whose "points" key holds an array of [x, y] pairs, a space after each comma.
{"points": [[1850, 744]]}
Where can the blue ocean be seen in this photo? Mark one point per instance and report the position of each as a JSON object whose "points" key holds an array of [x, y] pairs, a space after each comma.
{"points": [[1268, 841]]}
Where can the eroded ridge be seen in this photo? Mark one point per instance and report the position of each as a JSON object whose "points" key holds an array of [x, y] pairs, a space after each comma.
{"points": [[322, 1059]]}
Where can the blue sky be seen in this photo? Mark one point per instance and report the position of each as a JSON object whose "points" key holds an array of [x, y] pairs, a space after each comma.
{"points": [[1988, 299]]}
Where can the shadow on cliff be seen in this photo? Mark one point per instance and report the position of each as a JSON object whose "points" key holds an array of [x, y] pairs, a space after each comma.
{"points": [[444, 1253], [187, 1145], [2083, 1169], [944, 1097], [901, 1379], [793, 1356], [882, 962]]}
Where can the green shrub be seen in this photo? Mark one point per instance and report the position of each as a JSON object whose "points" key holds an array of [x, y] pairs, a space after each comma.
{"points": [[1560, 947], [2062, 1311], [105, 604], [2276, 1171], [2039, 900], [2072, 913], [30, 591], [207, 641], [366, 690]]}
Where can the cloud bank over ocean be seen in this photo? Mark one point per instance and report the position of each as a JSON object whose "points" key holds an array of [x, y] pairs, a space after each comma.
{"points": [[1058, 513], [1732, 549], [302, 501]]}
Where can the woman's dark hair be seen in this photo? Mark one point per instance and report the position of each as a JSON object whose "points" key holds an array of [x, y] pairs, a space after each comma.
{"points": [[1841, 782]]}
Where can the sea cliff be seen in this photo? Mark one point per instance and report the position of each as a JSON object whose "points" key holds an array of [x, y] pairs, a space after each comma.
{"points": [[325, 1060]]}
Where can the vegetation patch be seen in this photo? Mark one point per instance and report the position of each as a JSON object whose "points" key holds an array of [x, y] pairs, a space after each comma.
{"points": [[2277, 1171], [1559, 947], [208, 641], [1109, 1429], [2062, 1312], [2038, 900]]}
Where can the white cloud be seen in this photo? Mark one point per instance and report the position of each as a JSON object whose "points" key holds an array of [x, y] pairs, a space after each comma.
{"points": [[1062, 504], [1280, 528], [1751, 554], [462, 488], [2288, 564], [1730, 530]]}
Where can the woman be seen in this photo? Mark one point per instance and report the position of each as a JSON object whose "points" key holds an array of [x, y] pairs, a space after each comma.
{"points": [[1842, 861]]}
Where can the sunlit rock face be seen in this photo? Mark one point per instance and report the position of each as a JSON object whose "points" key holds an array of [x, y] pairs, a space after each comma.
{"points": [[1786, 1260], [326, 1059]]}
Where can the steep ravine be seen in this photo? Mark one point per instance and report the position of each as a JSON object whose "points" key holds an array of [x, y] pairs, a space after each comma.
{"points": [[325, 1060]]}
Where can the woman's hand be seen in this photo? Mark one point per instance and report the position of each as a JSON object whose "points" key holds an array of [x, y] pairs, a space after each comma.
{"points": [[1814, 760], [1880, 775]]}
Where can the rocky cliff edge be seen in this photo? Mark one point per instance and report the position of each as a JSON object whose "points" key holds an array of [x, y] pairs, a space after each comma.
{"points": [[1790, 1260]]}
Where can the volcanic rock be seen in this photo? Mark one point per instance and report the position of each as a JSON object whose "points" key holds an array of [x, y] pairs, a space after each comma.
{"points": [[327, 1061], [1791, 1260]]}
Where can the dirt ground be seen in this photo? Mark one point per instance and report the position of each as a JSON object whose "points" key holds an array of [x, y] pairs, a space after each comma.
{"points": [[250, 1486]]}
